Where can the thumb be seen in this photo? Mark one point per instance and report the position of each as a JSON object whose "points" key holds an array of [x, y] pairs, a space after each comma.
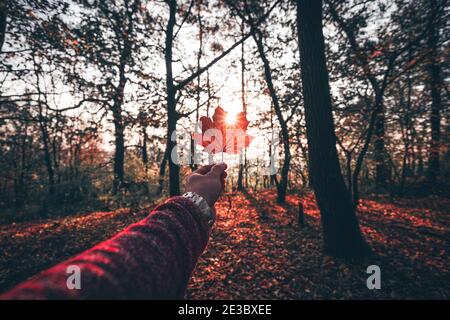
{"points": [[217, 170]]}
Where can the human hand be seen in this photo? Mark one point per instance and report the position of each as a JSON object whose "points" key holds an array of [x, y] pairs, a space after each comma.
{"points": [[208, 182]]}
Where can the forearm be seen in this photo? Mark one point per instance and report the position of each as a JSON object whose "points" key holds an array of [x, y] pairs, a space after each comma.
{"points": [[150, 259]]}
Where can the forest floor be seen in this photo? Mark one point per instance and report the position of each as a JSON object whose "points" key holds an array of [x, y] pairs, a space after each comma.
{"points": [[258, 251]]}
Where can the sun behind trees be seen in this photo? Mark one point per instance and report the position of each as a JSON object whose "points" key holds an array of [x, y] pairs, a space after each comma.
{"points": [[346, 100]]}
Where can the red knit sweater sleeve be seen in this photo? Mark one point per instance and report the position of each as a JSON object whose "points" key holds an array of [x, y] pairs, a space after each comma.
{"points": [[151, 259]]}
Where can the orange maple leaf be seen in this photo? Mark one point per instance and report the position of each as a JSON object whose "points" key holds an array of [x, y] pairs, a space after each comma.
{"points": [[218, 136]]}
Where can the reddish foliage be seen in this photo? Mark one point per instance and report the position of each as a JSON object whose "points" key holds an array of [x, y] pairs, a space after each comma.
{"points": [[375, 54], [257, 249]]}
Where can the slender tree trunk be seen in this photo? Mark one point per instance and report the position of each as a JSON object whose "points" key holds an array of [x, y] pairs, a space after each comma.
{"points": [[119, 151], [144, 146], [348, 162], [174, 169], [240, 179], [199, 60], [47, 156], [3, 21], [283, 183], [20, 190], [118, 120], [380, 152], [162, 170], [208, 91], [240, 185], [273, 177], [405, 125], [434, 83], [302, 152], [377, 107], [42, 120], [376, 124], [421, 153], [401, 186], [55, 152], [119, 129], [342, 236]]}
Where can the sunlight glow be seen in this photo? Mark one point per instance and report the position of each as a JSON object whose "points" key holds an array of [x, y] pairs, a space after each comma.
{"points": [[231, 118]]}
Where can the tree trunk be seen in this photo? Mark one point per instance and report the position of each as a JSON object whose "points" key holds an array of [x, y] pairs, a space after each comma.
{"points": [[405, 126], [434, 82], [119, 126], [273, 176], [208, 91], [162, 170], [144, 146], [174, 169], [45, 142], [283, 183], [42, 120], [348, 165], [401, 185], [3, 21], [118, 120], [119, 151], [342, 236], [19, 183], [193, 150], [240, 185], [376, 124], [47, 156], [55, 152], [377, 107], [380, 152]]}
